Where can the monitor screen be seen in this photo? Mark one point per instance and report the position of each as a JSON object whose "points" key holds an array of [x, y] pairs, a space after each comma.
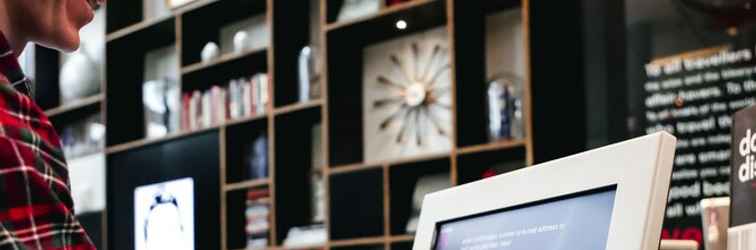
{"points": [[164, 215], [577, 221]]}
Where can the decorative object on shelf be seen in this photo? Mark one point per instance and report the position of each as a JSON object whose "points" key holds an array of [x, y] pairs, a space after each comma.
{"points": [[318, 197], [395, 2], [245, 35], [83, 137], [241, 41], [210, 52], [505, 112], [425, 185], [715, 220], [81, 71], [352, 9], [257, 158], [308, 236], [164, 215], [317, 147], [161, 100], [153, 9], [309, 75], [257, 216], [176, 3], [505, 60], [406, 96]]}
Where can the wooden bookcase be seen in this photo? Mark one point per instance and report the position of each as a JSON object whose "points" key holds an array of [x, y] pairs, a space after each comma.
{"points": [[367, 203]]}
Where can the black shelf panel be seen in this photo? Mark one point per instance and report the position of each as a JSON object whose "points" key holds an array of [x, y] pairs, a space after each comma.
{"points": [[293, 157], [221, 74], [211, 18], [407, 245], [240, 139], [292, 33], [92, 222], [473, 167], [129, 13], [402, 183], [46, 78], [125, 76], [164, 162], [364, 247], [356, 205]]}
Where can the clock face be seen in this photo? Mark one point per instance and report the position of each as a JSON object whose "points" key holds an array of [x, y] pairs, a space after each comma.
{"points": [[407, 97]]}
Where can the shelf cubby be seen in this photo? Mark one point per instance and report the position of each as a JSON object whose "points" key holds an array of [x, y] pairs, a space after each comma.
{"points": [[356, 204], [240, 139], [220, 74], [474, 166], [404, 245], [212, 17], [236, 209], [130, 13], [476, 63], [293, 173], [125, 76], [345, 73], [333, 8], [93, 223], [292, 21], [196, 157], [403, 180]]}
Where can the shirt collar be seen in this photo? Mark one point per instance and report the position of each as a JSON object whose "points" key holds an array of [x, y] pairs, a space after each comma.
{"points": [[11, 69]]}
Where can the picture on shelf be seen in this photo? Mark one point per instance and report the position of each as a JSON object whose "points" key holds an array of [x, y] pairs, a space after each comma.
{"points": [[164, 215], [505, 71], [406, 89]]}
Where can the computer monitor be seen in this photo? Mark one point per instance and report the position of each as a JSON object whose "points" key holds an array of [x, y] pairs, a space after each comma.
{"points": [[608, 198]]}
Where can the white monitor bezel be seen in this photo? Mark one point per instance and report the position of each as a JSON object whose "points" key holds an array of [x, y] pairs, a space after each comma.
{"points": [[640, 168]]}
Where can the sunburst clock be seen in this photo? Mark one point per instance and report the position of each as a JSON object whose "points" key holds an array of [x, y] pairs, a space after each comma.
{"points": [[406, 90]]}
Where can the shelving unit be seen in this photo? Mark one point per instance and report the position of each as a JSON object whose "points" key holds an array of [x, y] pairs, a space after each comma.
{"points": [[367, 202]]}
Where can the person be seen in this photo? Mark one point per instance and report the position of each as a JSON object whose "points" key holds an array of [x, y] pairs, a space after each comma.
{"points": [[36, 208]]}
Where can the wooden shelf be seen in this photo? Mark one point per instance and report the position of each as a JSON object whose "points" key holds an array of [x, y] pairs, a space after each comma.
{"points": [[221, 60], [499, 145], [151, 141], [75, 105], [246, 184], [298, 106], [401, 238], [358, 241], [143, 25], [384, 12], [179, 135], [371, 165]]}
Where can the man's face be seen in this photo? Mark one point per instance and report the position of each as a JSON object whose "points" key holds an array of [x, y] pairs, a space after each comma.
{"points": [[53, 23]]}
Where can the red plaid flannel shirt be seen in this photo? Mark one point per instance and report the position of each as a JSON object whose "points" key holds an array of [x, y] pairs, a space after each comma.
{"points": [[36, 208]]}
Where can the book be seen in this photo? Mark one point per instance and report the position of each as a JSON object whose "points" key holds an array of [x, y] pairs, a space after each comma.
{"points": [[742, 232]]}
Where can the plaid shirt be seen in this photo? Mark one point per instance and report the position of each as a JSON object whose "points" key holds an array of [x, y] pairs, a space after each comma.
{"points": [[36, 208]]}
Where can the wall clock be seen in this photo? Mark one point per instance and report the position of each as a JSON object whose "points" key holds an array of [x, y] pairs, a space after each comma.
{"points": [[407, 97]]}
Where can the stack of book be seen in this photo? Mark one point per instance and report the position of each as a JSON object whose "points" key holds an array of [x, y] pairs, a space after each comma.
{"points": [[257, 214], [240, 98]]}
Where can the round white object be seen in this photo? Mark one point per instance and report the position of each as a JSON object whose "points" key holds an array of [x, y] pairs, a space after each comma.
{"points": [[241, 40], [415, 94], [210, 52], [78, 78]]}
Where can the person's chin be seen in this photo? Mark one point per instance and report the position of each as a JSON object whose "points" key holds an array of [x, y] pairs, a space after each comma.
{"points": [[68, 41]]}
